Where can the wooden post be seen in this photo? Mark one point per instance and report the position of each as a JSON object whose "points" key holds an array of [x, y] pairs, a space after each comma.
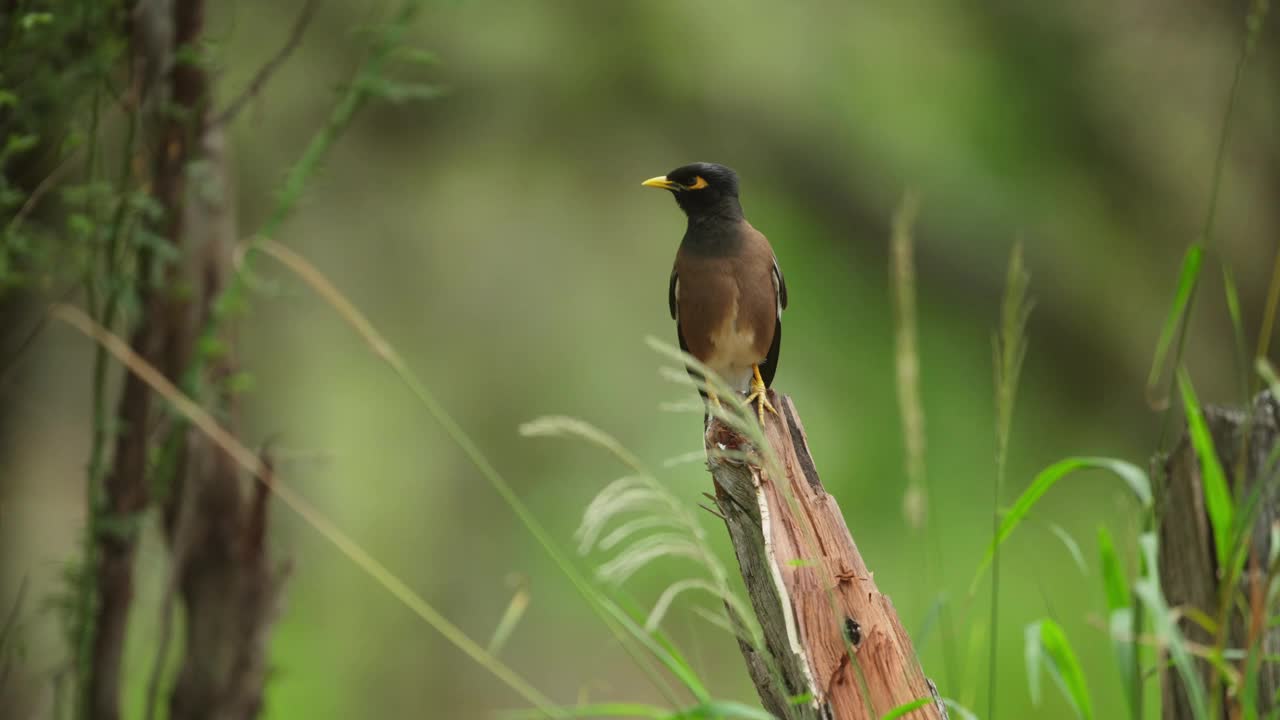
{"points": [[1188, 568], [833, 646]]}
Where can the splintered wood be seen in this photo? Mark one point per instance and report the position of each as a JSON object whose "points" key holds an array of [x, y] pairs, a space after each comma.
{"points": [[832, 643]]}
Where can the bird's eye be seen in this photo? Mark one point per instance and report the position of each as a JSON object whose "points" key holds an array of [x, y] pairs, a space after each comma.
{"points": [[698, 183]]}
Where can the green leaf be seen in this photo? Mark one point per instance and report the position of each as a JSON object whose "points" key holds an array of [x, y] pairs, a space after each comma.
{"points": [[240, 382], [1131, 474], [121, 526], [79, 225], [1112, 573], [33, 20], [1120, 626], [1119, 609], [1047, 648], [1032, 652], [1072, 546], [902, 710], [398, 92], [1217, 496], [18, 144], [211, 347], [414, 55], [1186, 284]]}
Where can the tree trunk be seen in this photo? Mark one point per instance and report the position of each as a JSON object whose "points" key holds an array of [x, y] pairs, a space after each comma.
{"points": [[1188, 567], [832, 643]]}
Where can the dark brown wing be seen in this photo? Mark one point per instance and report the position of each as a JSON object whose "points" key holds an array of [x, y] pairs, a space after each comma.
{"points": [[674, 302], [770, 366]]}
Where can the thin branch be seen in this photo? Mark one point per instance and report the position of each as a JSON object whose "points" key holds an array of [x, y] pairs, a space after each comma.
{"points": [[271, 66], [41, 189]]}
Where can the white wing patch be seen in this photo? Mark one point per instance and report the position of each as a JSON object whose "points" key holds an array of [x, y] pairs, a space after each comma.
{"points": [[777, 287]]}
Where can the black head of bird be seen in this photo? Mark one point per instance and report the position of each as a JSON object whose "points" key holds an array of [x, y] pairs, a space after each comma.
{"points": [[702, 189], [726, 292]]}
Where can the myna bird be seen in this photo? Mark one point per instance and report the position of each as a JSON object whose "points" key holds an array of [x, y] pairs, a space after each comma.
{"points": [[726, 292]]}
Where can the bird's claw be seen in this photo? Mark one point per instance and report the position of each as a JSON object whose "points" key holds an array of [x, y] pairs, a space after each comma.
{"points": [[760, 395], [760, 398]]}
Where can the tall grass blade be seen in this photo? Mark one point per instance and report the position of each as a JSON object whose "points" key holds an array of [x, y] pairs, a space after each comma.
{"points": [[561, 426], [1217, 495], [1047, 648], [1133, 476], [1010, 349], [960, 712], [1237, 331], [915, 499], [1187, 279], [1269, 309], [510, 619], [669, 595], [1072, 546], [907, 359], [644, 551], [1249, 692]]}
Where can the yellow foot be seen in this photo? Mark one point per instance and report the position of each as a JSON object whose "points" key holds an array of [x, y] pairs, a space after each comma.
{"points": [[760, 395]]}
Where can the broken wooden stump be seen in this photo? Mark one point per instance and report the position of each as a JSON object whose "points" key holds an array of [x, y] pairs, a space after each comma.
{"points": [[833, 647], [1189, 572]]}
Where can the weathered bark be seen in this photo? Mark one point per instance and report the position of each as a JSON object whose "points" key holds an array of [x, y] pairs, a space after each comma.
{"points": [[1188, 567], [222, 572], [125, 487], [831, 639]]}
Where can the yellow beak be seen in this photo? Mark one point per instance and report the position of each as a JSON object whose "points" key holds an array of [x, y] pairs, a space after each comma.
{"points": [[662, 183]]}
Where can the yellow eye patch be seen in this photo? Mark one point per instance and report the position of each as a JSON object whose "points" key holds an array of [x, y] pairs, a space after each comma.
{"points": [[698, 183]]}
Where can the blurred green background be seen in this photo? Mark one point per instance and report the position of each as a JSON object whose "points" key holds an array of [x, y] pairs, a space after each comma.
{"points": [[500, 238]]}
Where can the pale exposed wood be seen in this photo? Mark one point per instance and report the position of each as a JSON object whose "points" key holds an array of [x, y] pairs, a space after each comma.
{"points": [[1188, 568], [829, 634]]}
